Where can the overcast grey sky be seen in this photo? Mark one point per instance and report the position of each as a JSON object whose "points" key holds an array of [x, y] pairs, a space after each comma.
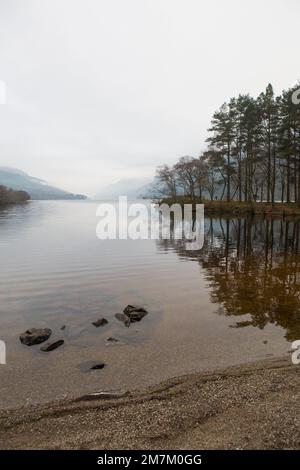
{"points": [[98, 90]]}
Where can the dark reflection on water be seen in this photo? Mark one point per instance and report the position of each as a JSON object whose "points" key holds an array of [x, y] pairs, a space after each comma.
{"points": [[252, 267]]}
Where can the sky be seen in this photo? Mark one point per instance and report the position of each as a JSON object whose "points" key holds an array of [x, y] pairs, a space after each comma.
{"points": [[100, 90]]}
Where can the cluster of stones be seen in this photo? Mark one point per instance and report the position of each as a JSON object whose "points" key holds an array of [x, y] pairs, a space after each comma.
{"points": [[33, 336]]}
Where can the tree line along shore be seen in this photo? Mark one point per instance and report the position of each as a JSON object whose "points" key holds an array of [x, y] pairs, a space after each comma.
{"points": [[236, 208], [252, 159], [9, 196]]}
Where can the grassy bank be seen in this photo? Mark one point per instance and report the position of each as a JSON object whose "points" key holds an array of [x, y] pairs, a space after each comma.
{"points": [[237, 208]]}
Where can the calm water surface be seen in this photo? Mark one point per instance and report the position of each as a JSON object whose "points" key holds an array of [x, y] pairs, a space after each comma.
{"points": [[234, 301]]}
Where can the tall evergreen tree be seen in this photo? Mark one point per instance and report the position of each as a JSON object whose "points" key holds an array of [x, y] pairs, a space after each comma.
{"points": [[223, 139], [254, 152], [268, 108]]}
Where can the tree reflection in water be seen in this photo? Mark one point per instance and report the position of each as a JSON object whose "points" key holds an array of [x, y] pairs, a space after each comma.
{"points": [[252, 267]]}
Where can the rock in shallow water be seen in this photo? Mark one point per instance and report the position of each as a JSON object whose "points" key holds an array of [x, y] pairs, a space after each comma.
{"points": [[35, 336], [51, 346], [135, 312], [98, 366], [111, 339], [100, 322], [123, 318]]}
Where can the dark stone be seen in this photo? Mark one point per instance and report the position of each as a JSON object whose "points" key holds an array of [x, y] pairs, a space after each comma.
{"points": [[123, 318], [134, 308], [51, 346], [35, 336], [100, 322], [111, 339], [63, 327], [89, 366], [98, 366], [135, 312]]}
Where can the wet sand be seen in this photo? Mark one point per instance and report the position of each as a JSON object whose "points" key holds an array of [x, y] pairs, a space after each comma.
{"points": [[254, 406]]}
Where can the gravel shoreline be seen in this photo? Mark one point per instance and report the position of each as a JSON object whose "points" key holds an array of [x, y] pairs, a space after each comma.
{"points": [[254, 406]]}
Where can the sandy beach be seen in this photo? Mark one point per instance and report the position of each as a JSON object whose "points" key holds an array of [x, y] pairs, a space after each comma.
{"points": [[254, 406]]}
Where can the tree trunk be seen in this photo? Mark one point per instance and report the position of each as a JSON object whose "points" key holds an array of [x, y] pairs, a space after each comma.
{"points": [[288, 177], [228, 173], [269, 165], [240, 175], [274, 176]]}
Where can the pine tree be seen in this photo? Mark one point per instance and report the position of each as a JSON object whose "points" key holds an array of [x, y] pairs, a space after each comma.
{"points": [[222, 126]]}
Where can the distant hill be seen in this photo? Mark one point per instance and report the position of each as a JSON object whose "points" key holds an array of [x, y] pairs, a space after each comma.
{"points": [[35, 187], [130, 187]]}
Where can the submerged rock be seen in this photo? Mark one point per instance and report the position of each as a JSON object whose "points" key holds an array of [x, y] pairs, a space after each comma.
{"points": [[98, 366], [135, 312], [123, 318], [51, 346], [100, 322], [35, 336], [111, 339]]}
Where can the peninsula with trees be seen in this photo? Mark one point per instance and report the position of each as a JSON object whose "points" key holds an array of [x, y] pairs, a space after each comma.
{"points": [[252, 161], [9, 196]]}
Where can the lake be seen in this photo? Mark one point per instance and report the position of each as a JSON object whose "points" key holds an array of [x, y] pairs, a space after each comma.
{"points": [[234, 301]]}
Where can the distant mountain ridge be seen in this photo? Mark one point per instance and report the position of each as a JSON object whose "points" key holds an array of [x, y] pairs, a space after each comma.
{"points": [[37, 189], [130, 187]]}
